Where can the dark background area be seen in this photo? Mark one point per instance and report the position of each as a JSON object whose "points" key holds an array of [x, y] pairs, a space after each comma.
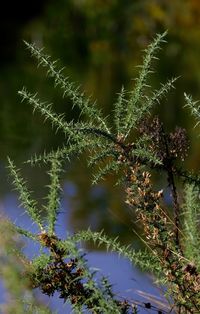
{"points": [[13, 19]]}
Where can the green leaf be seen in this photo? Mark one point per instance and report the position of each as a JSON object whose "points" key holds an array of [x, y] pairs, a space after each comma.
{"points": [[27, 202]]}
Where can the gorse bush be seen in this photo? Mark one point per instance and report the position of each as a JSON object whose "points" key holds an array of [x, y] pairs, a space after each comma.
{"points": [[172, 237]]}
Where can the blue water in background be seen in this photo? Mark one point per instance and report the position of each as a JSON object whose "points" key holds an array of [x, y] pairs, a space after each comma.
{"points": [[125, 278]]}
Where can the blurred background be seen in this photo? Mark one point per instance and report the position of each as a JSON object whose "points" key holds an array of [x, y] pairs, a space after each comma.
{"points": [[100, 43]]}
